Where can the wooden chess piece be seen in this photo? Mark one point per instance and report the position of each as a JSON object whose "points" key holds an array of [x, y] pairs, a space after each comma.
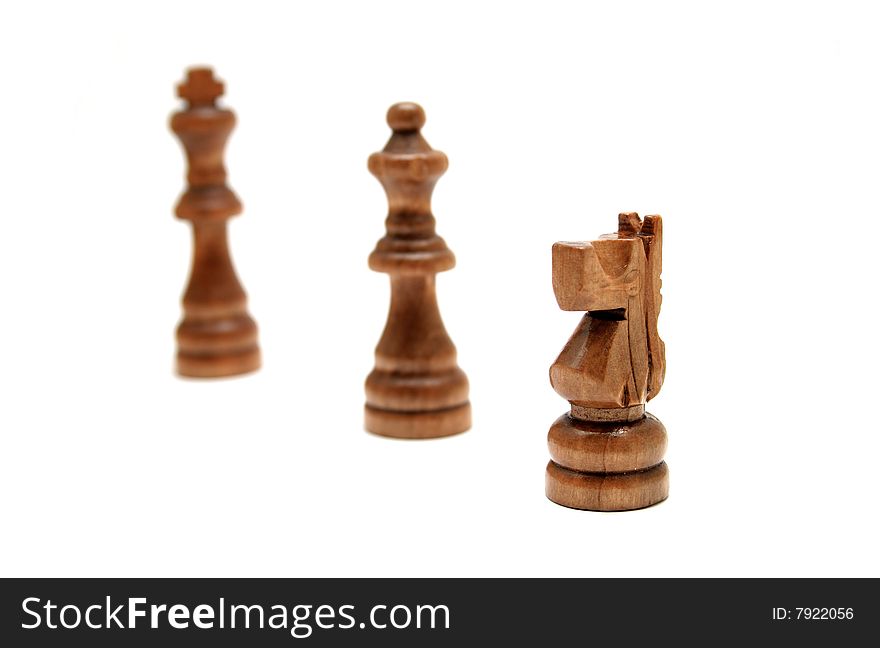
{"points": [[416, 390], [607, 453], [217, 336]]}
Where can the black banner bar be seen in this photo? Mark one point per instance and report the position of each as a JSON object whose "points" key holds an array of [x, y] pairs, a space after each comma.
{"points": [[429, 612]]}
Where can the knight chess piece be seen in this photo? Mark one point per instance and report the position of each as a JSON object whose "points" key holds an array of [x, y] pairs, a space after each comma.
{"points": [[416, 389], [217, 336], [607, 453]]}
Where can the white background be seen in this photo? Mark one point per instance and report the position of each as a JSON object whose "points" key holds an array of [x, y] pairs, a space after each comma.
{"points": [[752, 128]]}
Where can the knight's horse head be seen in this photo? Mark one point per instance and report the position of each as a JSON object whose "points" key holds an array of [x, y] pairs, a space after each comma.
{"points": [[618, 277]]}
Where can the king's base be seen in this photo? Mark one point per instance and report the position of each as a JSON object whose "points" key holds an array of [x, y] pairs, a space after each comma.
{"points": [[214, 347], [607, 491], [218, 365], [418, 425]]}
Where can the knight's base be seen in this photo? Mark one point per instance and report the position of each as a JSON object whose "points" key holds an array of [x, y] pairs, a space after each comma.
{"points": [[418, 425], [612, 464], [607, 491]]}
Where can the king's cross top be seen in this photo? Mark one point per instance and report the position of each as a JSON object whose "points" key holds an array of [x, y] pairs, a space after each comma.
{"points": [[200, 87]]}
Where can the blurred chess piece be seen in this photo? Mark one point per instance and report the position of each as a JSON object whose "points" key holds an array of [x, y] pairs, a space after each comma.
{"points": [[416, 389], [217, 336]]}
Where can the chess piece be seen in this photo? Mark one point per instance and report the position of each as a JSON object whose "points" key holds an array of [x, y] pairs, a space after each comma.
{"points": [[217, 336], [416, 389], [607, 453]]}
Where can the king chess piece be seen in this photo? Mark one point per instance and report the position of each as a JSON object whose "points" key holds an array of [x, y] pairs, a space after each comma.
{"points": [[416, 390], [607, 453], [217, 337]]}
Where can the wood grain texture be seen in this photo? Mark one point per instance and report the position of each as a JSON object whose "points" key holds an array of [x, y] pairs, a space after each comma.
{"points": [[217, 336], [416, 389], [607, 453], [607, 491], [607, 446]]}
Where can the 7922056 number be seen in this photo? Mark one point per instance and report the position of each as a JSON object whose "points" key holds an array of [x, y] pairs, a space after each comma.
{"points": [[818, 614]]}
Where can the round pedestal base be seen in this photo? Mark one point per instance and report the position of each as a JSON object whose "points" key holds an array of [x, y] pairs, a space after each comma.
{"points": [[418, 425], [607, 446], [607, 491], [217, 366], [217, 346]]}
